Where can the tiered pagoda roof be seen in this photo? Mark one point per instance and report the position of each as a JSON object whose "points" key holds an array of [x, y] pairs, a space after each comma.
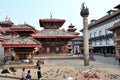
{"points": [[23, 29], [51, 23], [72, 30], [53, 33], [51, 29], [6, 23], [21, 42], [5, 28]]}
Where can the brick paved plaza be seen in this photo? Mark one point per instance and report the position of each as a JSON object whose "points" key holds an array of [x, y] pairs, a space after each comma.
{"points": [[63, 69]]}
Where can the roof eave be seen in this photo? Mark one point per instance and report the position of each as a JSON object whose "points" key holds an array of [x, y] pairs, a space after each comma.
{"points": [[20, 45]]}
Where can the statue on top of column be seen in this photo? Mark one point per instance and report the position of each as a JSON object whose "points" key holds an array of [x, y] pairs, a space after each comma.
{"points": [[83, 7], [84, 11]]}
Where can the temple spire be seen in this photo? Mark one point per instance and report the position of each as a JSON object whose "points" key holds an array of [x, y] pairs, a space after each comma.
{"points": [[25, 22], [50, 15], [7, 19]]}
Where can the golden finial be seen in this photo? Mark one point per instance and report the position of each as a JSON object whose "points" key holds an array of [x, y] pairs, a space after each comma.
{"points": [[25, 22], [6, 19], [9, 19], [50, 15]]}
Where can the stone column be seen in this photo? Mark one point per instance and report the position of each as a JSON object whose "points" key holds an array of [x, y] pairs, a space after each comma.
{"points": [[84, 13]]}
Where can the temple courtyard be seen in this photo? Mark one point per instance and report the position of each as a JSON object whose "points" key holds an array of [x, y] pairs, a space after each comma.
{"points": [[69, 68]]}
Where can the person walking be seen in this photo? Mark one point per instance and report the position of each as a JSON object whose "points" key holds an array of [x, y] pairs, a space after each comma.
{"points": [[39, 75], [28, 77], [38, 63], [119, 60], [23, 74]]}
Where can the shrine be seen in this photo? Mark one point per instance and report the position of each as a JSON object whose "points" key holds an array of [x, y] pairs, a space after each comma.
{"points": [[21, 44]]}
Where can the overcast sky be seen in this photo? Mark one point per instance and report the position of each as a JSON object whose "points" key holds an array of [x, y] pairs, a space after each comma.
{"points": [[30, 11]]}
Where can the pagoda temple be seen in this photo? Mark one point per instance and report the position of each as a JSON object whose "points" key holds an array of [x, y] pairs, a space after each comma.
{"points": [[53, 39], [72, 29], [5, 27], [6, 23], [21, 44], [5, 33]]}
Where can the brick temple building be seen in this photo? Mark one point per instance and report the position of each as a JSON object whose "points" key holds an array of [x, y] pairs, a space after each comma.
{"points": [[23, 40], [20, 44], [53, 39]]}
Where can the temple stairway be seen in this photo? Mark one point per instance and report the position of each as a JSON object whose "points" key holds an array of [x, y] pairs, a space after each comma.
{"points": [[44, 57], [57, 56]]}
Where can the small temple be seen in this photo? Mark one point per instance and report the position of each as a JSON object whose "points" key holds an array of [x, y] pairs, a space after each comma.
{"points": [[21, 45], [72, 29]]}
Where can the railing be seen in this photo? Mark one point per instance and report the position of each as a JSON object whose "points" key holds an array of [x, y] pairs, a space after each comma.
{"points": [[107, 36]]}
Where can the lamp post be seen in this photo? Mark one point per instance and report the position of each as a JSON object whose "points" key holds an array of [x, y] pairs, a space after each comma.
{"points": [[84, 13]]}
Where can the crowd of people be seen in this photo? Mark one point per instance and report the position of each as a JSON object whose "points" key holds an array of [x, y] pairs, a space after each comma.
{"points": [[28, 75]]}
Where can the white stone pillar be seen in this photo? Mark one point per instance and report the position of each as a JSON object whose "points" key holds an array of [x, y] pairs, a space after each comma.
{"points": [[86, 41], [84, 13]]}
